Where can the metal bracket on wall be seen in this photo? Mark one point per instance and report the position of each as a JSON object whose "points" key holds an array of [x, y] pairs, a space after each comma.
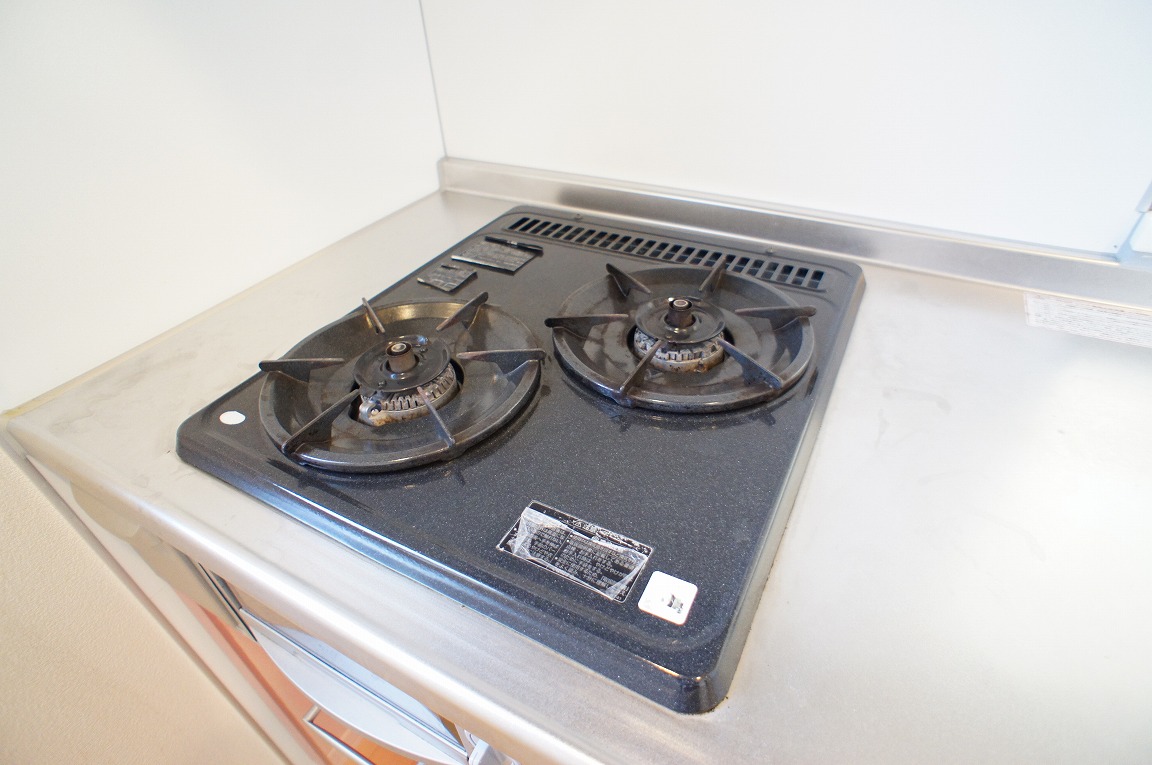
{"points": [[1126, 254]]}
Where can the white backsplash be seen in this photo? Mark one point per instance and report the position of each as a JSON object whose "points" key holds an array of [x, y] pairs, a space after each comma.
{"points": [[1026, 120]]}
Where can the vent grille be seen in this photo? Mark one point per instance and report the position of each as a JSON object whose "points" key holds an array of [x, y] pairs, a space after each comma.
{"points": [[767, 269]]}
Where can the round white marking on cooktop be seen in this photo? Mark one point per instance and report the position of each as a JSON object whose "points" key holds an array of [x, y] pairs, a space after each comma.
{"points": [[232, 417]]}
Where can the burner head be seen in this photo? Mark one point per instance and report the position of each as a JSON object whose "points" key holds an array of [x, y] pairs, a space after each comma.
{"points": [[690, 329], [635, 337], [389, 378], [400, 365]]}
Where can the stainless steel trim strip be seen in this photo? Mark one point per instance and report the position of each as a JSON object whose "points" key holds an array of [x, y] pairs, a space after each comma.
{"points": [[1073, 273]]}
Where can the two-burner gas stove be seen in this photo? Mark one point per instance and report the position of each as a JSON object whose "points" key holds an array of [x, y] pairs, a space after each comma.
{"points": [[588, 431]]}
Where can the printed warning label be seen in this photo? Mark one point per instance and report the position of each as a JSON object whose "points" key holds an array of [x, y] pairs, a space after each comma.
{"points": [[582, 552]]}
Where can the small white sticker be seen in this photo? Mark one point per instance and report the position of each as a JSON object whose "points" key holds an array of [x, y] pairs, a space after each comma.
{"points": [[1082, 317], [668, 597]]}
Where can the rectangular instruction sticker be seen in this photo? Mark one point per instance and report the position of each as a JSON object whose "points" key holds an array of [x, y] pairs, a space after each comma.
{"points": [[582, 552], [446, 278], [495, 255]]}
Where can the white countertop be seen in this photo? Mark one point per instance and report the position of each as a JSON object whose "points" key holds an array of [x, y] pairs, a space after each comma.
{"points": [[965, 576]]}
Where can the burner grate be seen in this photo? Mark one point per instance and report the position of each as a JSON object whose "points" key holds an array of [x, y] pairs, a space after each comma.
{"points": [[767, 269], [401, 385], [659, 339]]}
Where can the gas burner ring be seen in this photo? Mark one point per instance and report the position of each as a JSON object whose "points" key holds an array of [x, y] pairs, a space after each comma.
{"points": [[379, 408], [679, 357]]}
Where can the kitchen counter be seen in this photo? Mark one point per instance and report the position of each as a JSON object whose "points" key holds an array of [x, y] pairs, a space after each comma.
{"points": [[965, 576]]}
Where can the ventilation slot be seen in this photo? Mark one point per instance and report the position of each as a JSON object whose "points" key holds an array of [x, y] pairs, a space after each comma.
{"points": [[671, 252]]}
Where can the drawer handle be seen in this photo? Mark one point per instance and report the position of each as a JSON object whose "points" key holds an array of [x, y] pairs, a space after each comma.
{"points": [[310, 720], [399, 722]]}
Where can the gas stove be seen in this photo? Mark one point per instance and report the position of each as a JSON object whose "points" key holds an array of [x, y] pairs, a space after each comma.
{"points": [[590, 431]]}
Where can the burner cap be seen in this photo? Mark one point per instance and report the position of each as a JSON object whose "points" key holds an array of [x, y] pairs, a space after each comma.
{"points": [[402, 364], [680, 320]]}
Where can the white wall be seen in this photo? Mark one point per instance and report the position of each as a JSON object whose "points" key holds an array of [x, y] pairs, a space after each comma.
{"points": [[158, 157], [1025, 120]]}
